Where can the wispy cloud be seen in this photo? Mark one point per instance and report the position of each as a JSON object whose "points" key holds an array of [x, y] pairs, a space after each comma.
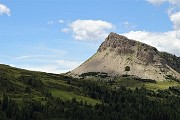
{"points": [[128, 26], [51, 22], [4, 10], [51, 60], [66, 30], [57, 66], [61, 21], [158, 2], [33, 57]]}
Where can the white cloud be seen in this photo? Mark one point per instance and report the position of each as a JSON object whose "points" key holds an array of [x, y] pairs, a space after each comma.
{"points": [[174, 5], [158, 2], [166, 41], [175, 18], [89, 29], [4, 10]]}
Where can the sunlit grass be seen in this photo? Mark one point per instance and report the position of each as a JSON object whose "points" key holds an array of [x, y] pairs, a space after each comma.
{"points": [[69, 95], [161, 85]]}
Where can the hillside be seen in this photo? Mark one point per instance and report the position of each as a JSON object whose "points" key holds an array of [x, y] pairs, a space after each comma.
{"points": [[19, 84], [144, 61], [29, 95]]}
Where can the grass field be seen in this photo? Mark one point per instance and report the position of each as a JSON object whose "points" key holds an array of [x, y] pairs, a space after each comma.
{"points": [[64, 95], [161, 85], [39, 84]]}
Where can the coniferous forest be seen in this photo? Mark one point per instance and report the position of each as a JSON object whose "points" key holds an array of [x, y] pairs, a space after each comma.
{"points": [[121, 104]]}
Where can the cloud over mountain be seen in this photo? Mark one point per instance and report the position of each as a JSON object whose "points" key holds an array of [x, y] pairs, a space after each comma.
{"points": [[165, 41], [89, 29]]}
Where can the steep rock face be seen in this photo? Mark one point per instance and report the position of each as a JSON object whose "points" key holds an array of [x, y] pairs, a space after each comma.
{"points": [[117, 52], [171, 60], [123, 46]]}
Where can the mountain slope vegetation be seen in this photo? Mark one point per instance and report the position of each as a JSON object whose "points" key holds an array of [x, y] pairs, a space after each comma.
{"points": [[28, 95], [19, 83]]}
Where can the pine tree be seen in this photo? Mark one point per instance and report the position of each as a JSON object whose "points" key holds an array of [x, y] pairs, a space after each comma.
{"points": [[5, 102]]}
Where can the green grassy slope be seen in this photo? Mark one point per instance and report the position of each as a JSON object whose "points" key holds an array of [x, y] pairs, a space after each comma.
{"points": [[132, 83], [44, 96], [20, 84]]}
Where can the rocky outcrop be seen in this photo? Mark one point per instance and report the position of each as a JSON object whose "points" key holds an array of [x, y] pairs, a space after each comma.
{"points": [[123, 46], [117, 52]]}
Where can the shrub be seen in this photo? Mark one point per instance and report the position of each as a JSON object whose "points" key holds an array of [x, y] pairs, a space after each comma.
{"points": [[127, 68]]}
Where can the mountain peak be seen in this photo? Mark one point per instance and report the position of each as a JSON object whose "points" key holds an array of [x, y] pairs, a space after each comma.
{"points": [[117, 52], [115, 35], [124, 46], [113, 40]]}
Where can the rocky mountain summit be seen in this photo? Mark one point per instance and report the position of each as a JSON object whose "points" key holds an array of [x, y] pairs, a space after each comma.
{"points": [[118, 52], [124, 46]]}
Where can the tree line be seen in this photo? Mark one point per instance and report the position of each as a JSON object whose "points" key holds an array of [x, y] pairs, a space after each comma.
{"points": [[120, 104]]}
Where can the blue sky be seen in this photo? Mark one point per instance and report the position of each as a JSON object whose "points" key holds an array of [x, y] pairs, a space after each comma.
{"points": [[58, 35]]}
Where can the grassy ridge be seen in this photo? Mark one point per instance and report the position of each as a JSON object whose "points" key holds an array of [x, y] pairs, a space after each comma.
{"points": [[21, 84]]}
